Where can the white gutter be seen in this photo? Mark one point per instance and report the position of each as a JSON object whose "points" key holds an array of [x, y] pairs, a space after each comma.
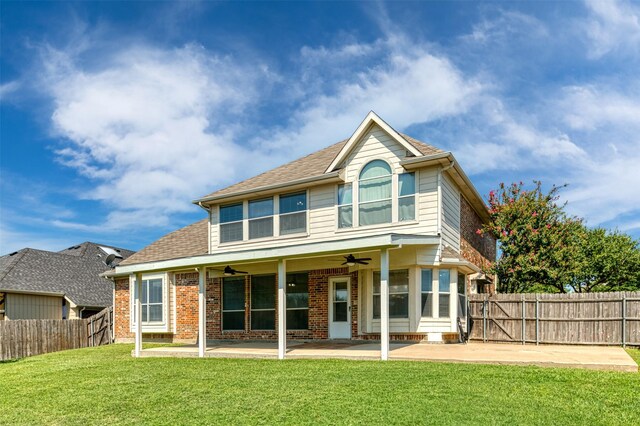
{"points": [[36, 293], [325, 178], [275, 253]]}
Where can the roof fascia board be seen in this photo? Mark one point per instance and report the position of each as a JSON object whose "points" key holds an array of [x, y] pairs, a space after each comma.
{"points": [[295, 184], [34, 292], [371, 118], [461, 263], [288, 252]]}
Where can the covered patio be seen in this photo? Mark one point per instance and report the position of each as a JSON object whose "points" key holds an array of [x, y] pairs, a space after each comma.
{"points": [[588, 357]]}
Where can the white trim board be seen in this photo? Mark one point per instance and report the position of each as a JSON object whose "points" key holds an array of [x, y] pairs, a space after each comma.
{"points": [[289, 252]]}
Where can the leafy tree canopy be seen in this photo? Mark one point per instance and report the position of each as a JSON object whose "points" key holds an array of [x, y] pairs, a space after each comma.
{"points": [[545, 250]]}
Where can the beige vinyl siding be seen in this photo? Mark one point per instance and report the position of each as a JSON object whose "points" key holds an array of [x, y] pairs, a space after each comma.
{"points": [[213, 228], [450, 213], [322, 217], [30, 306], [375, 144], [427, 200]]}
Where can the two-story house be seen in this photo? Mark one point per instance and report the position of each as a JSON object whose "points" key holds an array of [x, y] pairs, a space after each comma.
{"points": [[373, 237]]}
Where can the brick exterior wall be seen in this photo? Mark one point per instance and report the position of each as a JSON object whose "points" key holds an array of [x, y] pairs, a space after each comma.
{"points": [[122, 310], [186, 287], [477, 249]]}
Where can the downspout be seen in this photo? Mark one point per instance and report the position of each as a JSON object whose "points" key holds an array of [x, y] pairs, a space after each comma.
{"points": [[208, 209], [444, 169]]}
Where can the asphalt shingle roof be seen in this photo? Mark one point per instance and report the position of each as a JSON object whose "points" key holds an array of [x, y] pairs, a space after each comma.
{"points": [[185, 242], [312, 165], [75, 272]]}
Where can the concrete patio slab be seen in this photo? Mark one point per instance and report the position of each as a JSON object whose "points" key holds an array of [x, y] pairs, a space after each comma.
{"points": [[590, 357]]}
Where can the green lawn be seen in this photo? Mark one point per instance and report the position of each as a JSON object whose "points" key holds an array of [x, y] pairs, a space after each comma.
{"points": [[106, 385], [635, 354]]}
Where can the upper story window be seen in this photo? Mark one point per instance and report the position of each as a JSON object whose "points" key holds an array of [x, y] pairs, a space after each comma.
{"points": [[231, 223], [406, 196], [266, 217], [345, 206], [261, 218], [375, 193], [293, 213]]}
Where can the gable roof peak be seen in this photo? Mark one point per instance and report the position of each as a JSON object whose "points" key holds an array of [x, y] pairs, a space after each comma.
{"points": [[370, 119]]}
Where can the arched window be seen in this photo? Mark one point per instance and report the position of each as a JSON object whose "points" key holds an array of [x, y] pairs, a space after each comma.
{"points": [[375, 193]]}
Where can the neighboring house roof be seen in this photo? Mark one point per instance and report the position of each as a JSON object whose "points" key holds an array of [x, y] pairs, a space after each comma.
{"points": [[312, 165], [185, 242], [74, 272]]}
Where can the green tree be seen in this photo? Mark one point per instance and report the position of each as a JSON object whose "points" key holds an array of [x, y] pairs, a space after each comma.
{"points": [[609, 261], [542, 249], [538, 241]]}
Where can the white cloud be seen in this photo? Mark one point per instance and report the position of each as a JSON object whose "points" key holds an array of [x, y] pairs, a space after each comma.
{"points": [[152, 128], [591, 107], [403, 82], [606, 187], [613, 25], [8, 88]]}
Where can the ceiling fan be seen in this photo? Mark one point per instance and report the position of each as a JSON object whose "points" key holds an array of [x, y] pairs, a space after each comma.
{"points": [[229, 271], [351, 260]]}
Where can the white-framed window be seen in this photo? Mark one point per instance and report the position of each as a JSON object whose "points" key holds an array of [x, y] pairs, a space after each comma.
{"points": [[154, 300], [280, 215], [444, 290], [293, 213], [261, 218], [406, 196], [398, 294], [426, 278], [374, 193], [345, 206], [233, 303], [231, 223]]}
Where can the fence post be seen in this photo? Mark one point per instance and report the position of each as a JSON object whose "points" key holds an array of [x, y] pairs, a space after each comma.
{"points": [[93, 335], [484, 319], [537, 321], [624, 320], [524, 329]]}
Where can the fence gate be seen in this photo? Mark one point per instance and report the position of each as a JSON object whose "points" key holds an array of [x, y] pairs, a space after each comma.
{"points": [[100, 328]]}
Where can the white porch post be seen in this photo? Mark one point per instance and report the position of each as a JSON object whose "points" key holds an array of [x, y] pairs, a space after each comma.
{"points": [[282, 308], [202, 312], [138, 314], [384, 304]]}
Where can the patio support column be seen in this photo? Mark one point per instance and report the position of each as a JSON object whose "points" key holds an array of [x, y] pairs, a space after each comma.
{"points": [[202, 312], [138, 315], [282, 308], [384, 304]]}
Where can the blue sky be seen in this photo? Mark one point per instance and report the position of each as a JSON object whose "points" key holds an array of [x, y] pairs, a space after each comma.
{"points": [[116, 115]]}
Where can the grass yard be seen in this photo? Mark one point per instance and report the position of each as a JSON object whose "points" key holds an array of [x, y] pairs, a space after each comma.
{"points": [[106, 385], [635, 354]]}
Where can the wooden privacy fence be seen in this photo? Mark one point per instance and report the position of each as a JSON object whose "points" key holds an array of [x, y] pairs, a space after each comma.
{"points": [[579, 318], [23, 338]]}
